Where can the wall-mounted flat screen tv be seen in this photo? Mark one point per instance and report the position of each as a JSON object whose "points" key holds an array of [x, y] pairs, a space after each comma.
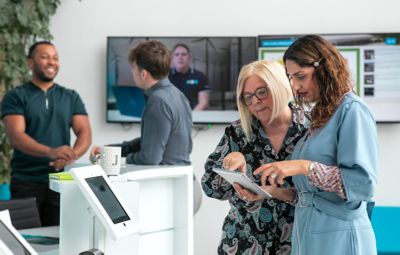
{"points": [[218, 58], [374, 63]]}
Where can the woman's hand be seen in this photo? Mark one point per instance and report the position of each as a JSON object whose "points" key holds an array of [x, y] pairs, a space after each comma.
{"points": [[287, 195], [235, 160], [284, 194], [246, 194], [276, 172]]}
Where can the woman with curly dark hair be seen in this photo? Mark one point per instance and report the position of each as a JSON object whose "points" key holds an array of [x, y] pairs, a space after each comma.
{"points": [[334, 167]]}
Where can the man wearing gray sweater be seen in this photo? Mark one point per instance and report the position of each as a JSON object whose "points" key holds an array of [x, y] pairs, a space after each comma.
{"points": [[167, 117]]}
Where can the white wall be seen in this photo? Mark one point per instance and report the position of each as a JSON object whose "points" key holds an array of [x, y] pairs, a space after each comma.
{"points": [[80, 29]]}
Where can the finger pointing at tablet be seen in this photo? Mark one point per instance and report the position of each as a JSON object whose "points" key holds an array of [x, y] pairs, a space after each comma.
{"points": [[235, 160]]}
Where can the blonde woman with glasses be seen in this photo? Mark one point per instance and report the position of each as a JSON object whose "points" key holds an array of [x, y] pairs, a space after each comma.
{"points": [[268, 129]]}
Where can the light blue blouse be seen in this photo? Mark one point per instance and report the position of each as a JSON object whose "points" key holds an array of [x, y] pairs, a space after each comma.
{"points": [[324, 222]]}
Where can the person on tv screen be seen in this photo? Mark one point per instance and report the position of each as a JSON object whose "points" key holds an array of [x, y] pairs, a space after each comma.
{"points": [[335, 166], [190, 81], [38, 117], [268, 129]]}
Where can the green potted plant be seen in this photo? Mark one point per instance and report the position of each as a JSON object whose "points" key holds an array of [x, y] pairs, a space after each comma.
{"points": [[21, 23]]}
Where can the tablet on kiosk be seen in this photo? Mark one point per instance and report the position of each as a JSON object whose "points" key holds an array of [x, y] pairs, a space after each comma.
{"points": [[11, 241], [105, 201], [244, 181]]}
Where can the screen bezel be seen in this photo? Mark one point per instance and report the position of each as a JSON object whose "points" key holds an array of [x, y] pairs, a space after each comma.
{"points": [[117, 230], [199, 117]]}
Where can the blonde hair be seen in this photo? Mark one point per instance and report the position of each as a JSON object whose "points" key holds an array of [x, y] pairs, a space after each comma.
{"points": [[274, 75]]}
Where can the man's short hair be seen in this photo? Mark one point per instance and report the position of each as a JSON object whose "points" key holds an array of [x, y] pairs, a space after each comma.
{"points": [[153, 56], [34, 46], [181, 45]]}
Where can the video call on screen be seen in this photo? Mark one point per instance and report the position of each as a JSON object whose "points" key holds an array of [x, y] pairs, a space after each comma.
{"points": [[107, 199], [11, 241]]}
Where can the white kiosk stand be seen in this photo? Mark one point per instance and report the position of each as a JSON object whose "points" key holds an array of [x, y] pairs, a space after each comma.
{"points": [[160, 198]]}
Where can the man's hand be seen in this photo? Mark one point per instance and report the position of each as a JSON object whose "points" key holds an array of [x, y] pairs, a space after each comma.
{"points": [[59, 164], [94, 151], [63, 152]]}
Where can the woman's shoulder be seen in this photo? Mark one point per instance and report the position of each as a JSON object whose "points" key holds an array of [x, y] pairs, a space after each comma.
{"points": [[351, 101], [235, 129], [353, 104]]}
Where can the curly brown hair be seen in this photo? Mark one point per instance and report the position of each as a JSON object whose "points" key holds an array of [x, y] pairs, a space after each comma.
{"points": [[331, 73]]}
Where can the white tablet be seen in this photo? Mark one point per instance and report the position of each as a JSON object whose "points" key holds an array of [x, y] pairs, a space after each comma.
{"points": [[12, 242], [105, 201], [239, 178]]}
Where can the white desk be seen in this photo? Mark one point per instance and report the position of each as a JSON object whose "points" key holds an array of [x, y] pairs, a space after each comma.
{"points": [[160, 197]]}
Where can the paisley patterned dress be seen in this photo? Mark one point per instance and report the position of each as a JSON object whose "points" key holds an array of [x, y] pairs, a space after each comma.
{"points": [[256, 228]]}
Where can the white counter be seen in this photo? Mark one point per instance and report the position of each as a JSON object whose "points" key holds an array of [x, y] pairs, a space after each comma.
{"points": [[160, 198]]}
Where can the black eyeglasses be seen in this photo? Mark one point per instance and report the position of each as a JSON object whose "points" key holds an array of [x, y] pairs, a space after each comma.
{"points": [[260, 93]]}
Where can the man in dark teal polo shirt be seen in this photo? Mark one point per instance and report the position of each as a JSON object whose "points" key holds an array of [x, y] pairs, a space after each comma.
{"points": [[190, 81], [38, 117]]}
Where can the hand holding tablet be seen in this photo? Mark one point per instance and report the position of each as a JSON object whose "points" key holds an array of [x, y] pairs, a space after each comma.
{"points": [[241, 179]]}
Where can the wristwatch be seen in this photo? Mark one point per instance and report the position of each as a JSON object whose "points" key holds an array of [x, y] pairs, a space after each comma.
{"points": [[312, 167]]}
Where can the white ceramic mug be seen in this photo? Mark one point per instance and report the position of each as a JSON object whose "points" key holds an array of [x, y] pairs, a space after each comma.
{"points": [[109, 159]]}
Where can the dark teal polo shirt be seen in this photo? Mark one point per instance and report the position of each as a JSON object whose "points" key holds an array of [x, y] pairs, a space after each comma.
{"points": [[190, 83], [48, 119]]}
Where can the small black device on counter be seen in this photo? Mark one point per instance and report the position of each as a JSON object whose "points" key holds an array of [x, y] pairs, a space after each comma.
{"points": [[92, 252]]}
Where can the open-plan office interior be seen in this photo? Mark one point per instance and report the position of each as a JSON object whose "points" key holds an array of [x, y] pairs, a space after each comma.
{"points": [[81, 29]]}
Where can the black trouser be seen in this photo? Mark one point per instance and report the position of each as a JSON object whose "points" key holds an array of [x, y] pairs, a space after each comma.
{"points": [[48, 201]]}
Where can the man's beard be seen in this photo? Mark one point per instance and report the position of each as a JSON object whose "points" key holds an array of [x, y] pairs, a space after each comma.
{"points": [[42, 76]]}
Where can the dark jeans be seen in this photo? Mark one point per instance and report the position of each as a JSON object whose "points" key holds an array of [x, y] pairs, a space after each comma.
{"points": [[48, 201]]}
